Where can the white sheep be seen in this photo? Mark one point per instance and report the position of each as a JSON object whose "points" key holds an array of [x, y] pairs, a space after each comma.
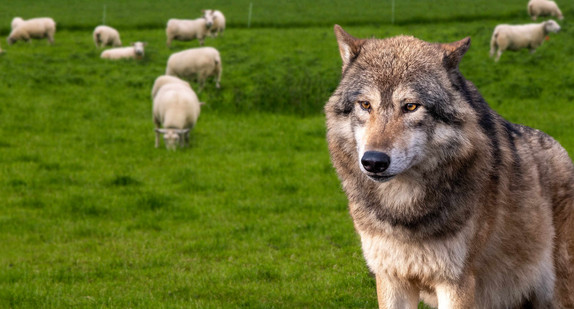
{"points": [[176, 109], [136, 51], [105, 35], [35, 28], [187, 30], [515, 37], [543, 8], [15, 22], [218, 22], [196, 63]]}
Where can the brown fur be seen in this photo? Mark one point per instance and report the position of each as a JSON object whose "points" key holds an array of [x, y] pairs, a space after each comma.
{"points": [[472, 211]]}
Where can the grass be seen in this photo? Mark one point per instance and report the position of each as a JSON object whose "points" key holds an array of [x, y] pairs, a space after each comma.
{"points": [[252, 214]]}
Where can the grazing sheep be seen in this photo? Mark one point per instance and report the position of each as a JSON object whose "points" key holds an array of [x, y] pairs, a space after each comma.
{"points": [[515, 37], [15, 22], [196, 63], [35, 28], [136, 51], [105, 35], [218, 21], [187, 30], [175, 111], [543, 8]]}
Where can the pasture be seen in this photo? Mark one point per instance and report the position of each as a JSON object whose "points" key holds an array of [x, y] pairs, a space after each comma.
{"points": [[252, 214]]}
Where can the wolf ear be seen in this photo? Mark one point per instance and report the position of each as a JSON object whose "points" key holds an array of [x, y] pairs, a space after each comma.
{"points": [[453, 52], [349, 46]]}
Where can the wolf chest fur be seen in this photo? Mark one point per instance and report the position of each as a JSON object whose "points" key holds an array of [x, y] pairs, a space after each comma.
{"points": [[453, 204]]}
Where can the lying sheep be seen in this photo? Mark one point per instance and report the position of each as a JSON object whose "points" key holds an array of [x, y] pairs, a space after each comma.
{"points": [[196, 63], [105, 35], [515, 37], [176, 109], [136, 51], [543, 8], [187, 30], [217, 20], [15, 22], [35, 28]]}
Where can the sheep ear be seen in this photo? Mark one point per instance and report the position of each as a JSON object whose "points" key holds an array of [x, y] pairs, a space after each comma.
{"points": [[349, 46], [453, 52], [201, 103], [162, 131]]}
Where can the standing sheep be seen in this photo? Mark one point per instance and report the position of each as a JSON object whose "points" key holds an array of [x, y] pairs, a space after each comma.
{"points": [[132, 52], [176, 109], [187, 30], [515, 37], [196, 63], [218, 21], [105, 35], [35, 28], [543, 8]]}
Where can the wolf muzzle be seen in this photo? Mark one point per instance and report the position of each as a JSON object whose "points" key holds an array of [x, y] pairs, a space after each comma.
{"points": [[375, 161]]}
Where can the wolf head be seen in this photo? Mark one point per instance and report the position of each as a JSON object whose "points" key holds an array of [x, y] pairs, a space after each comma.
{"points": [[398, 108]]}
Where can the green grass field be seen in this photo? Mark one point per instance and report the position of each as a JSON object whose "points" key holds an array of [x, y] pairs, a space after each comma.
{"points": [[252, 214]]}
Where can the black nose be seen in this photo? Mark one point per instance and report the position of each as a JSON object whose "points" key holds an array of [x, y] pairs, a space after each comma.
{"points": [[375, 161]]}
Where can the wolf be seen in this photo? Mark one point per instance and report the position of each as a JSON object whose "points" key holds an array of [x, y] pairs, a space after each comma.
{"points": [[454, 205]]}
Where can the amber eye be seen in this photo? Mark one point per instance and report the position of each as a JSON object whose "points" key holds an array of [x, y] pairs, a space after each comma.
{"points": [[411, 107], [366, 105]]}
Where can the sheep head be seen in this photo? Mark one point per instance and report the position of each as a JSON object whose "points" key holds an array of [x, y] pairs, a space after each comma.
{"points": [[551, 26], [173, 137]]}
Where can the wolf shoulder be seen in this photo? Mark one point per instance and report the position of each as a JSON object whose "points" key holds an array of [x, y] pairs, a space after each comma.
{"points": [[533, 144]]}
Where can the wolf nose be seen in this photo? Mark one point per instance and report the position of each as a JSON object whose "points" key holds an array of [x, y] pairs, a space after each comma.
{"points": [[375, 161]]}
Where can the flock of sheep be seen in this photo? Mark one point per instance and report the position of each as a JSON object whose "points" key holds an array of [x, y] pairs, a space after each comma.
{"points": [[176, 107], [531, 36]]}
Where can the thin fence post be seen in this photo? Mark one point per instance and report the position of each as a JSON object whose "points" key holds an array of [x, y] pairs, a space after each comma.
{"points": [[249, 18], [393, 12], [104, 16]]}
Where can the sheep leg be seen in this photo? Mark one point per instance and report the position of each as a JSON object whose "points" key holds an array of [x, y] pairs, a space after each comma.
{"points": [[498, 54], [156, 139]]}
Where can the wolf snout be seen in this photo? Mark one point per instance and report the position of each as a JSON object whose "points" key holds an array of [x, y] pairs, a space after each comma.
{"points": [[375, 161]]}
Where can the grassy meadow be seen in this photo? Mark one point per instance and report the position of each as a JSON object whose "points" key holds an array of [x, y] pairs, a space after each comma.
{"points": [[252, 214]]}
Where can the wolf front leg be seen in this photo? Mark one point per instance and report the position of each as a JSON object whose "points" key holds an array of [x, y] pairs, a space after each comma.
{"points": [[456, 295], [393, 293]]}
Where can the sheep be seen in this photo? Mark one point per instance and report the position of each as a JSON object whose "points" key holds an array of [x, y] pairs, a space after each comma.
{"points": [[136, 51], [105, 35], [187, 30], [543, 8], [218, 21], [35, 28], [15, 22], [515, 37], [199, 63], [176, 109]]}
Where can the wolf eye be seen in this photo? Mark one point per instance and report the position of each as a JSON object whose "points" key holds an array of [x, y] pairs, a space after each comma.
{"points": [[366, 105], [411, 107]]}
